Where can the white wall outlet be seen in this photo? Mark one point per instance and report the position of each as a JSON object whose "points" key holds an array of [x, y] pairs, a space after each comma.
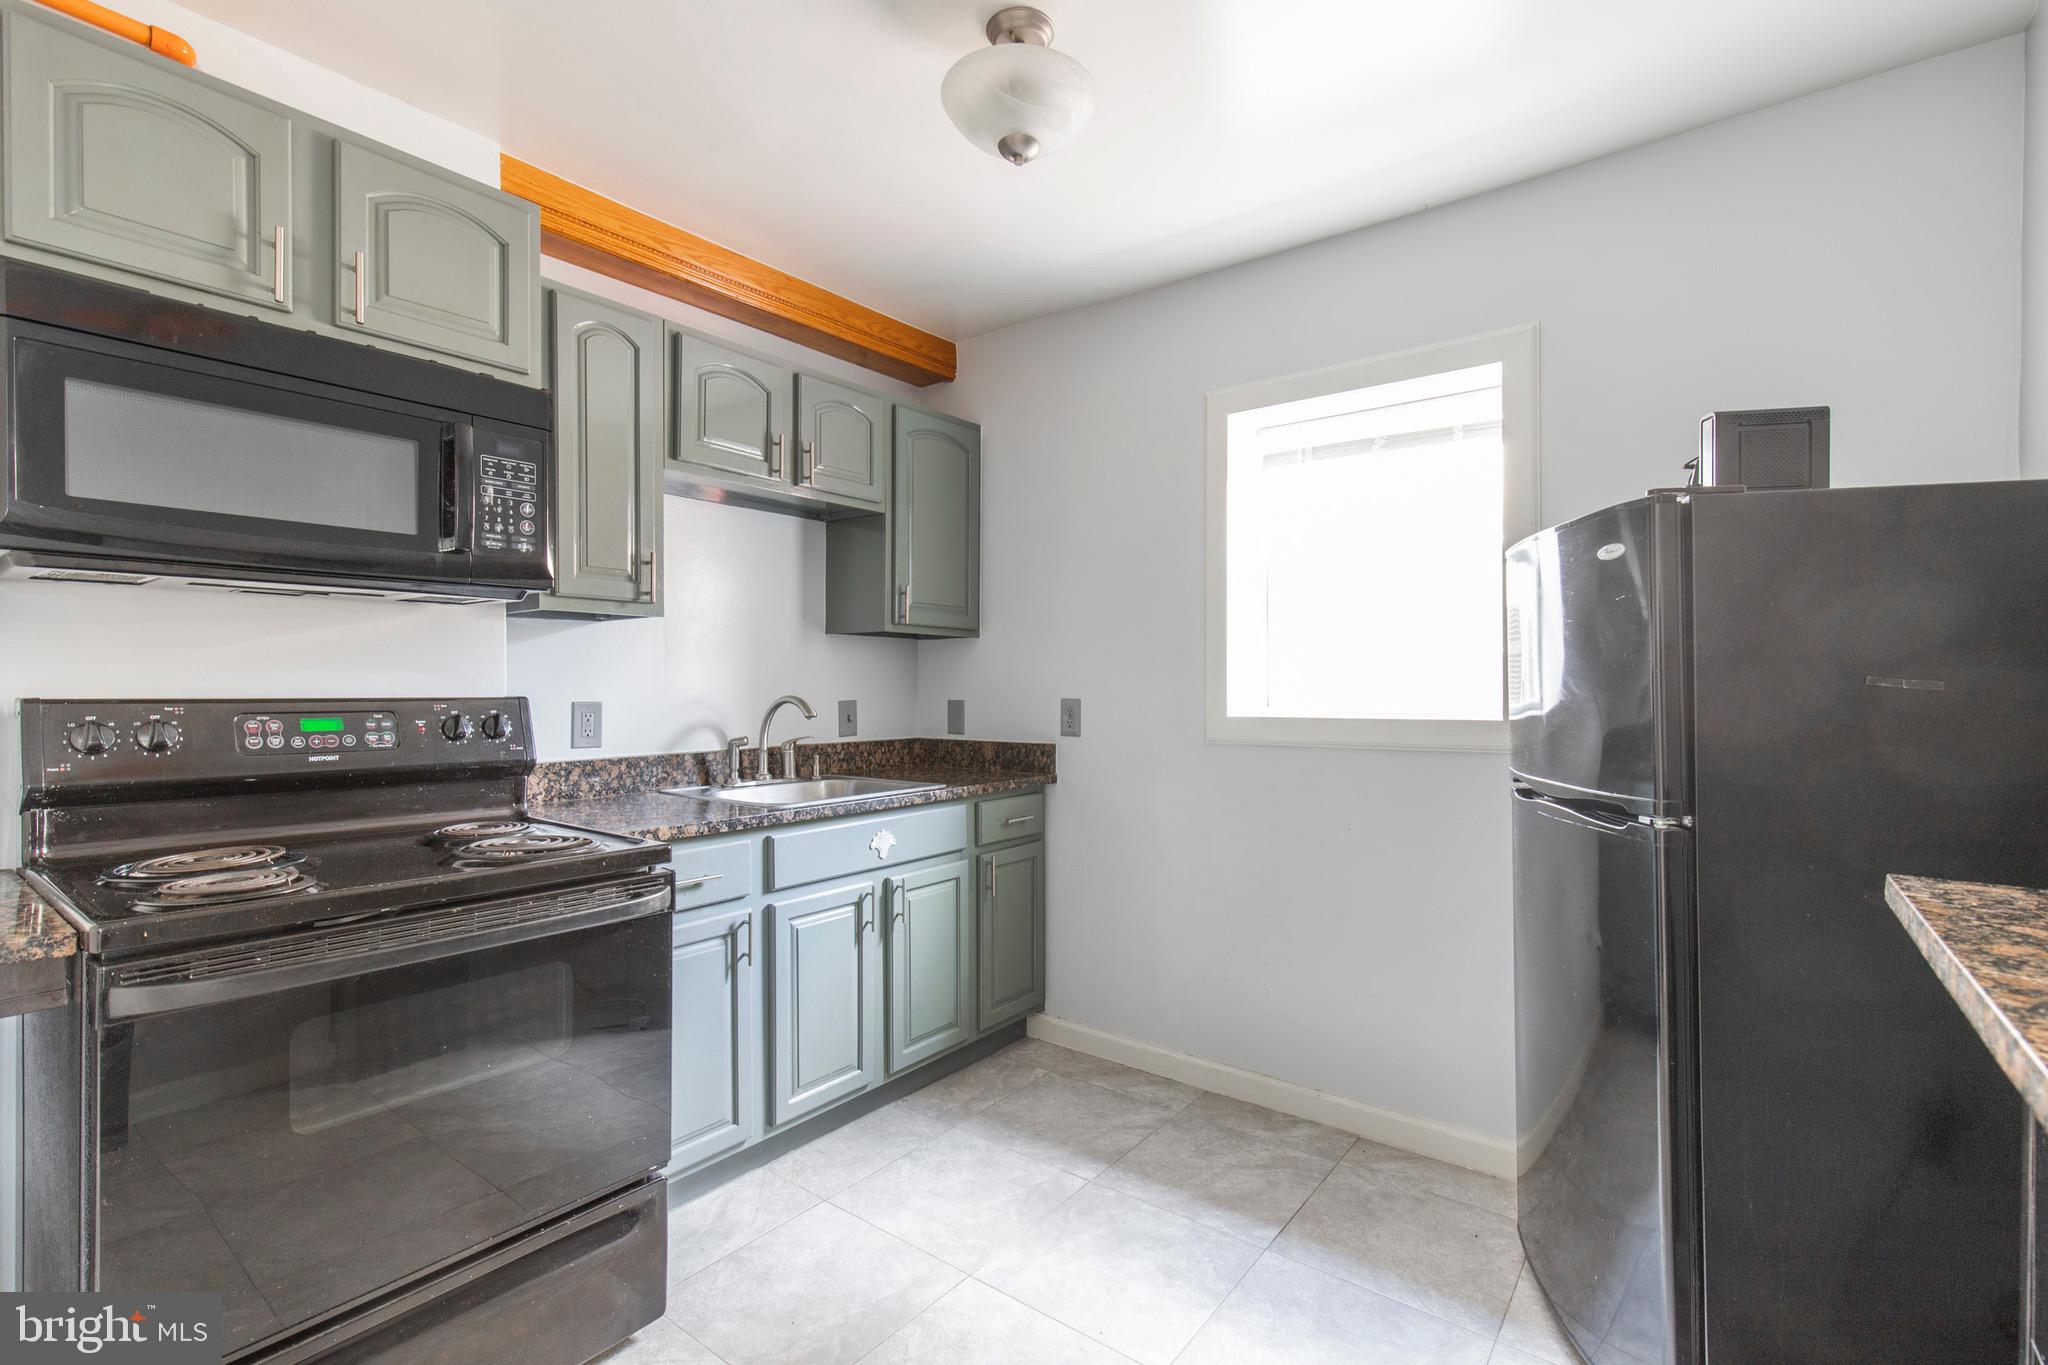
{"points": [[956, 717], [1070, 717], [586, 724], [849, 719]]}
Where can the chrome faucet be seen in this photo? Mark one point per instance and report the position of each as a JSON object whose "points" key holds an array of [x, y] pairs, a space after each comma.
{"points": [[789, 746]]}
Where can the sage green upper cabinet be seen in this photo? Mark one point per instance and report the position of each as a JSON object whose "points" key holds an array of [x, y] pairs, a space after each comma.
{"points": [[433, 260], [842, 442], [715, 1062], [825, 1010], [604, 363], [121, 157], [731, 412], [930, 961], [1012, 933], [915, 570]]}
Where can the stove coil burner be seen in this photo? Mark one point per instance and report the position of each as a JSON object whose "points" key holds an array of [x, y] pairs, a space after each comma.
{"points": [[227, 888], [471, 830], [529, 844], [200, 862]]}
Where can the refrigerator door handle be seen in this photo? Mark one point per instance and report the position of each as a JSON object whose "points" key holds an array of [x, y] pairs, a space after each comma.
{"points": [[1611, 819]]}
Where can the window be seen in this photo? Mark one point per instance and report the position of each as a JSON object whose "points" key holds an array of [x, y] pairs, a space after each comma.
{"points": [[1356, 521]]}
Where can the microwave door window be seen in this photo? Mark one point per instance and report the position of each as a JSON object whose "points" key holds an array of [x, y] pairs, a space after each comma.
{"points": [[132, 446]]}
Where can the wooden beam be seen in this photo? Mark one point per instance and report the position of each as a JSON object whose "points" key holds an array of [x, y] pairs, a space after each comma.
{"points": [[587, 229]]}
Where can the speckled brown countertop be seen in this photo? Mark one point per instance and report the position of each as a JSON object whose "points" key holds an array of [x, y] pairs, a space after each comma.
{"points": [[622, 795], [30, 931], [1989, 946]]}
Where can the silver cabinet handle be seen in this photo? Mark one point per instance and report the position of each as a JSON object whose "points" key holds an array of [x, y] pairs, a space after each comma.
{"points": [[903, 604], [740, 955], [692, 883], [1018, 820], [867, 905], [362, 292], [894, 901], [775, 456], [807, 455], [988, 878], [653, 577], [278, 252]]}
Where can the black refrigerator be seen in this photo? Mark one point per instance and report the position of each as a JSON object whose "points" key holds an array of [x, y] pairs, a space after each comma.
{"points": [[1751, 1124]]}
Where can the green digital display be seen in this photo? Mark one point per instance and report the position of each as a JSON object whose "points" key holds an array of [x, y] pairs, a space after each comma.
{"points": [[319, 725]]}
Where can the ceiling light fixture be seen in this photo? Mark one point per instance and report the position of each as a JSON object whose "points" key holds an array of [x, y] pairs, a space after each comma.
{"points": [[1017, 98]]}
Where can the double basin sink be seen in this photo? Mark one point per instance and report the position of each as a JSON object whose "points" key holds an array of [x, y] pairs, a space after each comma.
{"points": [[822, 791]]}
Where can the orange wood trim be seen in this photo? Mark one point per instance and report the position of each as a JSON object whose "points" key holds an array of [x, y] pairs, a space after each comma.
{"points": [[587, 229], [161, 41]]}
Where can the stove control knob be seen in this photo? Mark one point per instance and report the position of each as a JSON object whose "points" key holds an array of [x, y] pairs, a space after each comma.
{"points": [[156, 736], [495, 726], [458, 727], [90, 737]]}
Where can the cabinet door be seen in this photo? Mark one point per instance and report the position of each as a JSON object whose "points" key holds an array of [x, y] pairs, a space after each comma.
{"points": [[132, 161], [935, 526], [715, 1065], [930, 921], [604, 364], [433, 260], [842, 441], [825, 1016], [1012, 933], [731, 411]]}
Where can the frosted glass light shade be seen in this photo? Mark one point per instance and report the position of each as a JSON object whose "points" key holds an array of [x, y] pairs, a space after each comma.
{"points": [[1018, 100]]}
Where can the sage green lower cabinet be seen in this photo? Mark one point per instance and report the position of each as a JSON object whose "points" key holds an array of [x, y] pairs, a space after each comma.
{"points": [[1012, 933], [825, 997], [929, 915], [715, 1065], [115, 155], [604, 363]]}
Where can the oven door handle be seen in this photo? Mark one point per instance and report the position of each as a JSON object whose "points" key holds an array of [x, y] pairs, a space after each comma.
{"points": [[240, 971]]}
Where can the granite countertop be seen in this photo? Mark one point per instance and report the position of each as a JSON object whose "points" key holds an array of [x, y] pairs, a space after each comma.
{"points": [[623, 796], [1989, 946], [30, 931]]}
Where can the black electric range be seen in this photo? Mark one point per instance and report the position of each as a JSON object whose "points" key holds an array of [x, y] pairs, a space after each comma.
{"points": [[395, 1053]]}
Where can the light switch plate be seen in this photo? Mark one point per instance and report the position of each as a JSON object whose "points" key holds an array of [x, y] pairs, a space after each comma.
{"points": [[849, 719], [1070, 717], [586, 724], [956, 717]]}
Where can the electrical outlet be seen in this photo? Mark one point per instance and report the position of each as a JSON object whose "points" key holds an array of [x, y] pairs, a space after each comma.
{"points": [[956, 717], [849, 719], [1070, 717], [586, 724]]}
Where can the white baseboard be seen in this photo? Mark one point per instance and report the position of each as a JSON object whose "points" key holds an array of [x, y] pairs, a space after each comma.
{"points": [[1459, 1146]]}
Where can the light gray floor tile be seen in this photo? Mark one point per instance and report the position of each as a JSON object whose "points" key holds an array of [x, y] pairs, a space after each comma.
{"points": [[729, 1217], [1041, 1054], [827, 1165], [822, 1289], [959, 1197], [1288, 1314], [1067, 1123], [1129, 1080], [975, 1325], [974, 1088], [1432, 1253], [660, 1342], [1504, 1354], [1134, 1277], [1488, 1192], [1531, 1327], [1260, 1121], [1245, 1185]]}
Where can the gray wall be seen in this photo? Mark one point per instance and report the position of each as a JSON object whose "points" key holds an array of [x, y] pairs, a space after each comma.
{"points": [[1340, 918]]}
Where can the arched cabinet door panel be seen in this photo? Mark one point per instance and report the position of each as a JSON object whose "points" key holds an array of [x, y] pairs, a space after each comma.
{"points": [[731, 412], [434, 262], [935, 522], [128, 161], [842, 442]]}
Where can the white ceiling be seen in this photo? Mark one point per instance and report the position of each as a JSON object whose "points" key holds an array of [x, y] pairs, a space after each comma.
{"points": [[808, 133]]}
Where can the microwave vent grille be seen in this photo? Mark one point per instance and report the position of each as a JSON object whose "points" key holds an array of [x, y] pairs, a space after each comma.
{"points": [[92, 576]]}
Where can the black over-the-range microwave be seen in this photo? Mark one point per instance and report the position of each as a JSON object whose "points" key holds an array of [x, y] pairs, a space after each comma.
{"points": [[151, 441]]}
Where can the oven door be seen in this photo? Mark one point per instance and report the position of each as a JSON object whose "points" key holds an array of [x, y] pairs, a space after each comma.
{"points": [[302, 1123], [151, 455]]}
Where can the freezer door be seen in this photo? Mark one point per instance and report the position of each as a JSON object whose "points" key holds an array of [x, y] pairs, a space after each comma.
{"points": [[1595, 623], [1602, 1118]]}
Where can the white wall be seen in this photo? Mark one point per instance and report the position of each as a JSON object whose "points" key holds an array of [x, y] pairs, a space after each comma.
{"points": [[2034, 257], [745, 620], [1340, 918]]}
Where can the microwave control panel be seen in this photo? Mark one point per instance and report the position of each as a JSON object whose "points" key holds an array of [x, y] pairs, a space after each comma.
{"points": [[511, 501]]}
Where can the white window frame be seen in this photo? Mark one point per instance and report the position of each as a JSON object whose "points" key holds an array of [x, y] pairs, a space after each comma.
{"points": [[1515, 349]]}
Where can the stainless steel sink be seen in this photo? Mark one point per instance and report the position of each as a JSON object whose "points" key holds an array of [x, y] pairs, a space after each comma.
{"points": [[823, 791]]}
